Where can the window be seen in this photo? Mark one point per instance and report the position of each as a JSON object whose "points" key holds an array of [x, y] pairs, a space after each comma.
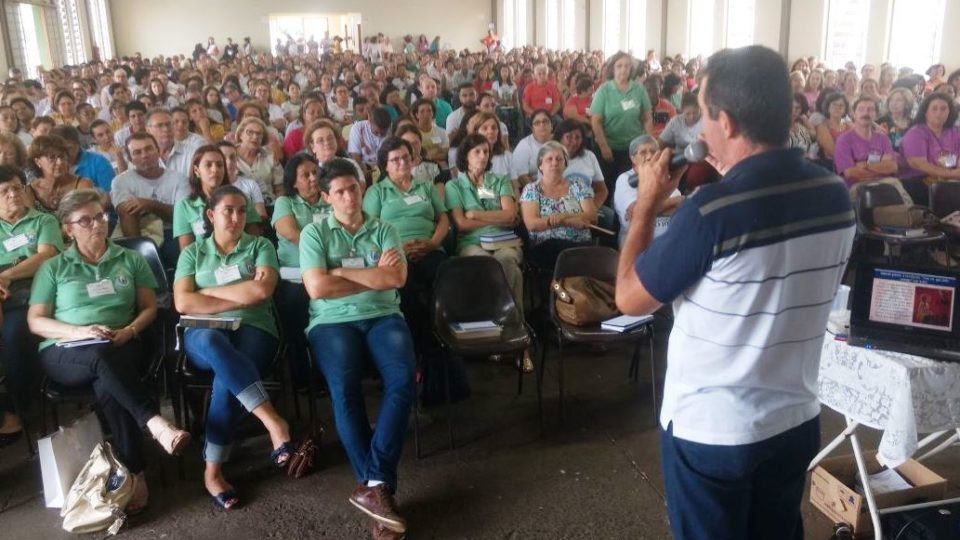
{"points": [[846, 32], [611, 27], [701, 28], [560, 22], [69, 16], [32, 30], [637, 27], [741, 19], [98, 15], [514, 31], [916, 30]]}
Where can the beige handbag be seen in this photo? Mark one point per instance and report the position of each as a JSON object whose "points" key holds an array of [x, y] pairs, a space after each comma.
{"points": [[100, 494], [582, 301]]}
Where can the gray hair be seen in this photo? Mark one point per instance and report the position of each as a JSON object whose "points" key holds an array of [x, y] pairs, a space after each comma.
{"points": [[643, 140], [549, 147], [76, 200]]}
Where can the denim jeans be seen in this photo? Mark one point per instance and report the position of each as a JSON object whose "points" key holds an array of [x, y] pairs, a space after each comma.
{"points": [[122, 398], [19, 357], [750, 491], [237, 359], [340, 349], [293, 309]]}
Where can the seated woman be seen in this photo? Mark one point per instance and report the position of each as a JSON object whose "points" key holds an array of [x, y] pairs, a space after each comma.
{"points": [[524, 159], [313, 109], [300, 206], [582, 164], [207, 172], [834, 109], [49, 161], [420, 168], [931, 147], [98, 290], [248, 186], [641, 149], [557, 211], [800, 136], [255, 161], [897, 121], [414, 207], [436, 144], [321, 139], [352, 266], [28, 238], [480, 203], [231, 274]]}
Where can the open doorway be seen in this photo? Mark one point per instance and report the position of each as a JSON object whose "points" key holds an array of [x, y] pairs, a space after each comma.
{"points": [[295, 31]]}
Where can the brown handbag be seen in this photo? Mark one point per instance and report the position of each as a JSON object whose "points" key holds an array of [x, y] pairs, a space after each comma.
{"points": [[303, 460], [581, 301]]}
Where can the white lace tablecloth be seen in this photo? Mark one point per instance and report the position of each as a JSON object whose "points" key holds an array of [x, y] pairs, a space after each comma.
{"points": [[899, 394]]}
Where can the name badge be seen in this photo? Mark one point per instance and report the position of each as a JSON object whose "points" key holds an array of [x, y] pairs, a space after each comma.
{"points": [[436, 139], [100, 288], [571, 206], [199, 228], [949, 160], [874, 157], [412, 199], [486, 193], [628, 104], [227, 274], [15, 242], [352, 262], [318, 217], [548, 100]]}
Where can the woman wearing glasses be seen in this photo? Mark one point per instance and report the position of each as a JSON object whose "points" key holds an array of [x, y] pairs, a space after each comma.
{"points": [[53, 178], [255, 159], [96, 290], [27, 239]]}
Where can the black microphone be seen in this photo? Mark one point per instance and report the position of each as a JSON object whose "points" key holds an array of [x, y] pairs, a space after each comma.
{"points": [[693, 153]]}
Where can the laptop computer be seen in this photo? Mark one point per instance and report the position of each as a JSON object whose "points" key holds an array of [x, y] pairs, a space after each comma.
{"points": [[906, 308]]}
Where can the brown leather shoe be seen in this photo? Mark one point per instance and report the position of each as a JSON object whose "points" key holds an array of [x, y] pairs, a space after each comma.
{"points": [[382, 533], [377, 502]]}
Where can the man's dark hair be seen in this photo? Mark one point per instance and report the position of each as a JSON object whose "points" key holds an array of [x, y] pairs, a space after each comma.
{"points": [[134, 106], [381, 118], [333, 169], [752, 86]]}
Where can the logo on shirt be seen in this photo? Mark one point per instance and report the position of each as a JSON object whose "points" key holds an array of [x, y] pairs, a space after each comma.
{"points": [[122, 282], [373, 257]]}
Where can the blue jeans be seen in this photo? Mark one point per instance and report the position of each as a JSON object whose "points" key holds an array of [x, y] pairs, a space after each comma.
{"points": [[340, 350], [750, 491], [237, 360], [19, 358], [293, 309]]}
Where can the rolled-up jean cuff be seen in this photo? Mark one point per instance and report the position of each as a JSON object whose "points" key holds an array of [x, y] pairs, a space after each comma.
{"points": [[215, 453], [253, 396]]}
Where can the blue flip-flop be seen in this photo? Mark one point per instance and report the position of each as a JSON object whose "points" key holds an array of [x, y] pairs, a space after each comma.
{"points": [[222, 500], [285, 449]]}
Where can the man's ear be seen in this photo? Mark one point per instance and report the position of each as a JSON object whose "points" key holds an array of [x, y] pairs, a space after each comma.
{"points": [[728, 125]]}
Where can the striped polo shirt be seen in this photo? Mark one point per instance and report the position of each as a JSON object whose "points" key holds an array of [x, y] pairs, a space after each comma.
{"points": [[751, 265]]}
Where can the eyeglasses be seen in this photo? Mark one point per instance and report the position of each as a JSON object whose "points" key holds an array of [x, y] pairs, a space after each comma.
{"points": [[12, 189], [87, 222], [55, 157], [542, 122], [399, 160], [254, 132]]}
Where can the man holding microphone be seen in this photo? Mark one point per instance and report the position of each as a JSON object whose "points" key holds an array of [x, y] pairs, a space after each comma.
{"points": [[751, 265]]}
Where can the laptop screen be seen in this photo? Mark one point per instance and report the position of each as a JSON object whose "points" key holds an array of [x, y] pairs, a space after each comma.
{"points": [[919, 301]]}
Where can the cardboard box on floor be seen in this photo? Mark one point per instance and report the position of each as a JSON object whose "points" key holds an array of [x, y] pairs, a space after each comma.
{"points": [[832, 489]]}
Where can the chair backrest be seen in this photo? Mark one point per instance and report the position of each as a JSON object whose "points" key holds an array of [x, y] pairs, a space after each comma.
{"points": [[598, 262], [872, 196], [470, 289], [945, 197], [148, 249]]}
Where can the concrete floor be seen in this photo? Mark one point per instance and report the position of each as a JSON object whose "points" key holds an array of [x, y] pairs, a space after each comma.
{"points": [[597, 476]]}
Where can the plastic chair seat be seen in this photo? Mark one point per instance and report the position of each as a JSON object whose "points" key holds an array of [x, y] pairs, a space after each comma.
{"points": [[513, 338], [595, 334]]}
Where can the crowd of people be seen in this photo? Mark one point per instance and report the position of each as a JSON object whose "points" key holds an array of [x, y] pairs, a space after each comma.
{"points": [[332, 185]]}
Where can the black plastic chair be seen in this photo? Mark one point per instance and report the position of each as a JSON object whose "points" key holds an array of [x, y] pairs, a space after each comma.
{"points": [[878, 194], [469, 289], [20, 414], [599, 263], [945, 198]]}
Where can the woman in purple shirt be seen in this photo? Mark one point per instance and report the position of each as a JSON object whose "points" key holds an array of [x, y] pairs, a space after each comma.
{"points": [[931, 147]]}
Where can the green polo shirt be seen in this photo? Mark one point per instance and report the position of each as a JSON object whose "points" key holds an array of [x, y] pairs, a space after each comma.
{"points": [[81, 293], [413, 212], [461, 193], [621, 112], [203, 262], [304, 213], [188, 217], [19, 240], [326, 244]]}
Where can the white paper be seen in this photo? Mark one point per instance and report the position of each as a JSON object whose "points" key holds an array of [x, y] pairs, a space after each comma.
{"points": [[478, 325], [886, 481]]}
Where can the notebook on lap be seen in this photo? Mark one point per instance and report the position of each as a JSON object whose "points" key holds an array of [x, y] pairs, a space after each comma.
{"points": [[906, 309]]}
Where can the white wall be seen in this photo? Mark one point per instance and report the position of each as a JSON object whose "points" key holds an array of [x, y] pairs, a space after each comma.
{"points": [[155, 27]]}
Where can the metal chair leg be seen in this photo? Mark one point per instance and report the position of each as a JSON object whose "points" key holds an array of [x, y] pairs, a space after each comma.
{"points": [[539, 371], [448, 401], [653, 379], [560, 376]]}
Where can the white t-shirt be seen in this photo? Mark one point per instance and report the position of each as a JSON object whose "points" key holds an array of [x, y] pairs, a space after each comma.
{"points": [[169, 188], [584, 167], [250, 188], [623, 197], [679, 134], [525, 157]]}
